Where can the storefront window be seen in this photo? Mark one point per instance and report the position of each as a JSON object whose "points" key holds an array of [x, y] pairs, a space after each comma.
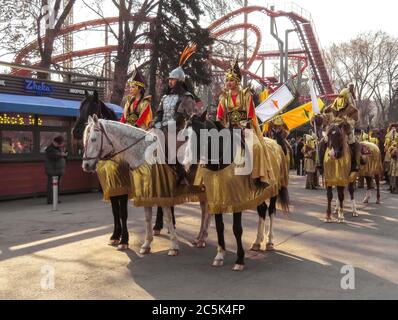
{"points": [[46, 138], [16, 142], [53, 122]]}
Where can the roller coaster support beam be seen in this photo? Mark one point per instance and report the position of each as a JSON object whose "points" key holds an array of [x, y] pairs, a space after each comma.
{"points": [[299, 78], [274, 33], [287, 53]]}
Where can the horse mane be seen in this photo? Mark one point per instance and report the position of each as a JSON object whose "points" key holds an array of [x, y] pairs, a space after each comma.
{"points": [[89, 106], [107, 112]]}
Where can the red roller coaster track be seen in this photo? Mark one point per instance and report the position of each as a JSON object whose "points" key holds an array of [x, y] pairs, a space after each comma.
{"points": [[306, 32]]}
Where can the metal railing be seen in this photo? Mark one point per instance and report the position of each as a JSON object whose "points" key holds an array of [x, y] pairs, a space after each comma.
{"points": [[70, 77]]}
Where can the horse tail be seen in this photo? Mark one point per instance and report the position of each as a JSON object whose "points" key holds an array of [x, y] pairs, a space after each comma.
{"points": [[283, 198]]}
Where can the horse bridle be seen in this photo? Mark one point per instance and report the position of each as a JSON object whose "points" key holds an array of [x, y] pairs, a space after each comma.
{"points": [[110, 155]]}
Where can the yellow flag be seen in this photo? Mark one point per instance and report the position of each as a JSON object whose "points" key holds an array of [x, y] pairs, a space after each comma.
{"points": [[265, 127], [263, 95], [300, 116]]}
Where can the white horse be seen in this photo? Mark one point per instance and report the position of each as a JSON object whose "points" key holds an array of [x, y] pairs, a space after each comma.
{"points": [[103, 139]]}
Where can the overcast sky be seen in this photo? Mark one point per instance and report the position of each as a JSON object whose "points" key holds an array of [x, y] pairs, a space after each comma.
{"points": [[341, 20], [335, 21]]}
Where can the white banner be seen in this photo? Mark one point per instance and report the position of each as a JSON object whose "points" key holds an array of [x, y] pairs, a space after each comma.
{"points": [[274, 104]]}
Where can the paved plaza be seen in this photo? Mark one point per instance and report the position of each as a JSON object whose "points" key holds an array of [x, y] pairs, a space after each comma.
{"points": [[70, 245]]}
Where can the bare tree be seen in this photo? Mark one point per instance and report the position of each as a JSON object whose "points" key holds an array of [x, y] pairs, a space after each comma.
{"points": [[132, 28], [215, 9], [359, 61], [53, 18], [16, 26]]}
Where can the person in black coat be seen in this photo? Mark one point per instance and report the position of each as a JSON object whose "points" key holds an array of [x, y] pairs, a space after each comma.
{"points": [[299, 156], [55, 164]]}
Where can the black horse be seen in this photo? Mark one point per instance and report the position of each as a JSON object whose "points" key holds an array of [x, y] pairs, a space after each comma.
{"points": [[92, 105], [198, 123]]}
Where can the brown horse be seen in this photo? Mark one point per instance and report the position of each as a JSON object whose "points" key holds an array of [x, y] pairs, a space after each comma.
{"points": [[372, 168], [337, 165]]}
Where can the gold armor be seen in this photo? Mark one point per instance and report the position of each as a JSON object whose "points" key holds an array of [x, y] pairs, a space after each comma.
{"points": [[235, 112], [343, 112], [141, 114]]}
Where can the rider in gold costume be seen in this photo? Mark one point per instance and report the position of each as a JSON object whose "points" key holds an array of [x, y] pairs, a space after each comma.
{"points": [[236, 110], [137, 112], [309, 151], [391, 147], [344, 113]]}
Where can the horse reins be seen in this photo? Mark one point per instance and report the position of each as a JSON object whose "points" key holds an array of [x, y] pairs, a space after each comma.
{"points": [[112, 154]]}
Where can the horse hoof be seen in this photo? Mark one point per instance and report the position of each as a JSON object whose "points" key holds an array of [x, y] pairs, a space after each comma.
{"points": [[145, 250], [156, 232], [341, 221], [122, 247], [113, 243], [365, 200], [238, 267], [255, 247], [270, 247], [173, 253], [328, 220], [218, 263], [378, 201], [201, 244]]}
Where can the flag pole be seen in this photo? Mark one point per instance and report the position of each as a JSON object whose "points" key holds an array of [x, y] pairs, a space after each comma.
{"points": [[315, 110]]}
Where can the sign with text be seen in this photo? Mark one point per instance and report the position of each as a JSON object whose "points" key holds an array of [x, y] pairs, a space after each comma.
{"points": [[19, 120], [39, 88], [80, 91], [18, 85]]}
